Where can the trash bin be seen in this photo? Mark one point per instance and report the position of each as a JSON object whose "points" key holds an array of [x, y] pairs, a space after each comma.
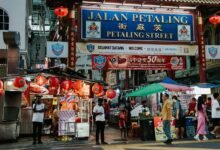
{"points": [[190, 129], [150, 129], [147, 129]]}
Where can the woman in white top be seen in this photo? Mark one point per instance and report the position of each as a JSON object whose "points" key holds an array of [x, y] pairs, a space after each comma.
{"points": [[215, 113]]}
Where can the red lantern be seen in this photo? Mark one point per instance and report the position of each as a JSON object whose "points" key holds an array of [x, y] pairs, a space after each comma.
{"points": [[110, 93], [1, 84], [41, 80], [101, 94], [214, 19], [19, 82], [61, 11], [66, 84], [97, 88], [53, 90], [1, 92], [54, 81], [77, 85]]}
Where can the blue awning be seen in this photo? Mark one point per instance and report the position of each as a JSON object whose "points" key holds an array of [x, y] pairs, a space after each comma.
{"points": [[207, 85]]}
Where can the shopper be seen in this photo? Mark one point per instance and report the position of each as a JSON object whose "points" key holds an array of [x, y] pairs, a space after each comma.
{"points": [[122, 123], [55, 120], [107, 112], [144, 112], [128, 109], [37, 119], [167, 117], [192, 107], [215, 113], [179, 118], [202, 118], [99, 113]]}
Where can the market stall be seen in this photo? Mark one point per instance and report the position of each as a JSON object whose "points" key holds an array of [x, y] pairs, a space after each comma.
{"points": [[154, 89]]}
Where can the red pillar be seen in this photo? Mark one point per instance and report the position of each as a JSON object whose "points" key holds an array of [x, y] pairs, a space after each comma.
{"points": [[202, 58], [126, 79], [72, 40]]}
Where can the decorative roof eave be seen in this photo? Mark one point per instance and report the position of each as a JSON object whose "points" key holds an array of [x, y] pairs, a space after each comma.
{"points": [[164, 2]]}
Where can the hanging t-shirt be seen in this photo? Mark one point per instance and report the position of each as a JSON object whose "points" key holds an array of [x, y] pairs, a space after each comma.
{"points": [[38, 116]]}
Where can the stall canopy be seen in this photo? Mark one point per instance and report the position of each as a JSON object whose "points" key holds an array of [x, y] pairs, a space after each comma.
{"points": [[169, 85], [176, 87], [147, 90], [172, 85], [207, 85], [169, 81]]}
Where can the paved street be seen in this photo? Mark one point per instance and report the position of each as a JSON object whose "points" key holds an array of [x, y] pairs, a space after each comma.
{"points": [[178, 145], [26, 144], [112, 136]]}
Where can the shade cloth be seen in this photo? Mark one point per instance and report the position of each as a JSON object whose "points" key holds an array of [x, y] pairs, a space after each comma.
{"points": [[158, 87], [176, 87], [148, 90]]}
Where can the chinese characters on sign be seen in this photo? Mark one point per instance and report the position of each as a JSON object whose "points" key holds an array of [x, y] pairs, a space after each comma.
{"points": [[112, 25], [137, 62]]}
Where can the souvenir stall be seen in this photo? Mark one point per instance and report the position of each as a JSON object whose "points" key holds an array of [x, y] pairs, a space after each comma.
{"points": [[156, 88], [69, 98], [52, 84], [74, 109]]}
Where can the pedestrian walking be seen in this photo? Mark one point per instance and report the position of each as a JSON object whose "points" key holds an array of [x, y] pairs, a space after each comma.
{"points": [[202, 119], [107, 112], [37, 119], [179, 116], [128, 109], [122, 123], [99, 113], [215, 108], [167, 117]]}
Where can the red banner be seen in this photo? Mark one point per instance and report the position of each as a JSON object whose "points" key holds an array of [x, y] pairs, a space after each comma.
{"points": [[138, 62]]}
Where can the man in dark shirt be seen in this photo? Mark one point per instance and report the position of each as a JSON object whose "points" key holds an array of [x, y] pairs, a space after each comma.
{"points": [[128, 114]]}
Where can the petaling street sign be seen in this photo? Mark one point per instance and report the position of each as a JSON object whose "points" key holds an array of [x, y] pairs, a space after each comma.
{"points": [[136, 49], [138, 62], [137, 26]]}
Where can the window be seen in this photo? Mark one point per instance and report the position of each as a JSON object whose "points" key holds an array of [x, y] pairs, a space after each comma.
{"points": [[4, 20]]}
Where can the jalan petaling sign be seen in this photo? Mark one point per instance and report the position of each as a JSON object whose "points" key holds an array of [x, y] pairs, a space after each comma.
{"points": [[118, 25]]}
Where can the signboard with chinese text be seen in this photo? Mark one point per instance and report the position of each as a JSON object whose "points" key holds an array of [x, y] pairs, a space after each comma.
{"points": [[135, 49], [138, 62], [128, 25]]}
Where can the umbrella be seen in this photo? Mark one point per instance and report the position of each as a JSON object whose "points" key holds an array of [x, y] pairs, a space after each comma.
{"points": [[148, 90], [169, 80], [176, 87]]}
